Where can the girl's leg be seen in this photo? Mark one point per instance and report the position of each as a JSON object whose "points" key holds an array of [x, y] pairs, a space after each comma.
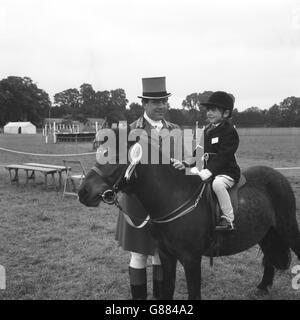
{"points": [[220, 185]]}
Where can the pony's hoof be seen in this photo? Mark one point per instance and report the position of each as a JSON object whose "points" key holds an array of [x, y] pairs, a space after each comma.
{"points": [[263, 288], [261, 293]]}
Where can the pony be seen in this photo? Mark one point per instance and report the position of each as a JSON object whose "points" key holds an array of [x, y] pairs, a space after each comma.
{"points": [[182, 222]]}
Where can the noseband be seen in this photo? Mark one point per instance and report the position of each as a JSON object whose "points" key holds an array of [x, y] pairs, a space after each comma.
{"points": [[109, 196]]}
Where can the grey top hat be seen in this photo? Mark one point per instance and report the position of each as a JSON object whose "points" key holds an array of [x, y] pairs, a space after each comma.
{"points": [[154, 88]]}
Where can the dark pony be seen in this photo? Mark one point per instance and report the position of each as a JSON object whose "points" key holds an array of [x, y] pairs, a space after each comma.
{"points": [[266, 216]]}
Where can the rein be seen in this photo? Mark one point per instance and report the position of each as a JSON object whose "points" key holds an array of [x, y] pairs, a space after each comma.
{"points": [[112, 194], [164, 219]]}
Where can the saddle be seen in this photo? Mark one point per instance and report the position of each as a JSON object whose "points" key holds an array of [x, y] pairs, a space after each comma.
{"points": [[233, 193]]}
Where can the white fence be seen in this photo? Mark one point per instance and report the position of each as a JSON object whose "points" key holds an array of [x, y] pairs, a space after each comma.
{"points": [[268, 131]]}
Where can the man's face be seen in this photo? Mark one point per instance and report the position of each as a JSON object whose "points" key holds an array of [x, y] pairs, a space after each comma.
{"points": [[156, 108]]}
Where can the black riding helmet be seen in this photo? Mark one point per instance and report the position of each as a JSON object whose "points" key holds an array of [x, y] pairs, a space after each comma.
{"points": [[220, 99]]}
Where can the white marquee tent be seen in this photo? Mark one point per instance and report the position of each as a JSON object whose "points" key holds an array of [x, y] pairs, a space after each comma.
{"points": [[20, 127]]}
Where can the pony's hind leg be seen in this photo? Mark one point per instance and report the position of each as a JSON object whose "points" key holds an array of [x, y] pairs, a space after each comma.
{"points": [[268, 276], [295, 245], [192, 269], [276, 256]]}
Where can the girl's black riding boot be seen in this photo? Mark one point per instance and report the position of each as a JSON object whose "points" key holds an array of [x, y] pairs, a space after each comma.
{"points": [[138, 283], [157, 281]]}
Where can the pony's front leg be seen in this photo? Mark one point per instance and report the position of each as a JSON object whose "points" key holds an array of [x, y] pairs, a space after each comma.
{"points": [[168, 263], [192, 269]]}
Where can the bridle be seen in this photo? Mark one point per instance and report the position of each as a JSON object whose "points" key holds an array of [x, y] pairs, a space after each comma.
{"points": [[110, 197]]}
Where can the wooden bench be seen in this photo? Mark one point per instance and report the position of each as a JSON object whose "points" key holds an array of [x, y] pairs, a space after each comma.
{"points": [[28, 169], [59, 169]]}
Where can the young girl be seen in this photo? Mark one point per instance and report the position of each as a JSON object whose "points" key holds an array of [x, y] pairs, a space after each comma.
{"points": [[221, 141]]}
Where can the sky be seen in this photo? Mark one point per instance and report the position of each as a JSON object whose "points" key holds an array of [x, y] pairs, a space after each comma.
{"points": [[250, 48]]}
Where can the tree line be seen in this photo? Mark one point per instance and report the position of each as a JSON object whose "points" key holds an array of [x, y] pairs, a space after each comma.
{"points": [[22, 100]]}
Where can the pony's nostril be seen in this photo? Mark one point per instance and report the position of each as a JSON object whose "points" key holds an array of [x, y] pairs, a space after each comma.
{"points": [[82, 192]]}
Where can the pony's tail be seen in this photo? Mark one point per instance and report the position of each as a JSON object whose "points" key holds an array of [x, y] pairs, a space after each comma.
{"points": [[276, 251], [284, 202]]}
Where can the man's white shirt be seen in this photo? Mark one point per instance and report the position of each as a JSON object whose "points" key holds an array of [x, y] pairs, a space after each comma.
{"points": [[156, 124]]}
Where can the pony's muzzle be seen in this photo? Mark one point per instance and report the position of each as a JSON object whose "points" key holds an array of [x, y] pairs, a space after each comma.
{"points": [[109, 197]]}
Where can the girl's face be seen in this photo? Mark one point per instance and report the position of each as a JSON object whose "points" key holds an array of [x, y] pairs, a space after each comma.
{"points": [[214, 114]]}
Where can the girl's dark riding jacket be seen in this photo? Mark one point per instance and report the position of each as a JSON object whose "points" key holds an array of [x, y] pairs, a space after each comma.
{"points": [[221, 143]]}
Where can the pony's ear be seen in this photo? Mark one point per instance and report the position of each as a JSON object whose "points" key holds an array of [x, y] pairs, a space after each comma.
{"points": [[135, 153]]}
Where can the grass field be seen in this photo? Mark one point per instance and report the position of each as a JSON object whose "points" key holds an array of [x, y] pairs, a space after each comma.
{"points": [[54, 248]]}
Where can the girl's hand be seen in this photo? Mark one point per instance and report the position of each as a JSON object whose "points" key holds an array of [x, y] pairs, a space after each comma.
{"points": [[204, 174]]}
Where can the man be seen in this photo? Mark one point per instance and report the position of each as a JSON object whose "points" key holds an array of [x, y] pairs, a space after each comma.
{"points": [[140, 241]]}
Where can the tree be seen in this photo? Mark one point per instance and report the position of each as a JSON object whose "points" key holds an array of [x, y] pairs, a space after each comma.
{"points": [[22, 100], [87, 93], [195, 115], [286, 114], [116, 107], [88, 103], [67, 98], [193, 102], [102, 99], [273, 116], [81, 117], [177, 116], [118, 99], [137, 109], [290, 111], [87, 98], [251, 117], [67, 102], [134, 112]]}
